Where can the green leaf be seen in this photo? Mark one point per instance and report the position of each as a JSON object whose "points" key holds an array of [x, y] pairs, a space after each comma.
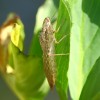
{"points": [[11, 31], [18, 35], [64, 24], [27, 77], [48, 9], [29, 82], [91, 89], [14, 26], [84, 44]]}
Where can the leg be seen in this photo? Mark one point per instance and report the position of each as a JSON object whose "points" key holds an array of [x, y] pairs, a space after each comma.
{"points": [[57, 42], [58, 54]]}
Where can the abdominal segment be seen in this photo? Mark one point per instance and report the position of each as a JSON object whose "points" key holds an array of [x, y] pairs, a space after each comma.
{"points": [[50, 69]]}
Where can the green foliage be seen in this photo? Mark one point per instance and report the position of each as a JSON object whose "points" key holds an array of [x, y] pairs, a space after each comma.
{"points": [[64, 24], [27, 77], [78, 20], [84, 44], [91, 89], [48, 9]]}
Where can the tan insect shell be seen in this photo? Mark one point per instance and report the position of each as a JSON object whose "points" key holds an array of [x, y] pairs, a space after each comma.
{"points": [[47, 43]]}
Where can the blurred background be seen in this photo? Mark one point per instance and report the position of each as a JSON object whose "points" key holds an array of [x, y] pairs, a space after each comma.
{"points": [[27, 10]]}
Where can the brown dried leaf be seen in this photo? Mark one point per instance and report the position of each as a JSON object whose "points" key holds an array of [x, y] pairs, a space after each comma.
{"points": [[5, 32]]}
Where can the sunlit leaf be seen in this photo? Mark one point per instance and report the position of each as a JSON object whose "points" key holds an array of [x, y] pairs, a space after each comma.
{"points": [[91, 89], [48, 9], [84, 44]]}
